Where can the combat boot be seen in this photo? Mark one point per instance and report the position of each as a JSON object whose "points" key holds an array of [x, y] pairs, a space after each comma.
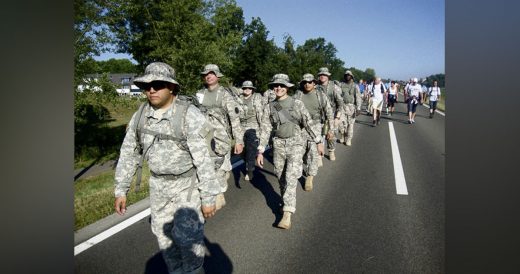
{"points": [[332, 156], [221, 201], [342, 138], [349, 142], [308, 183], [320, 161], [285, 223]]}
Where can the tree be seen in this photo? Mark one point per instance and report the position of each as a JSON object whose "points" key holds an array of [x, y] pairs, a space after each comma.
{"points": [[91, 36], [257, 56], [180, 33]]}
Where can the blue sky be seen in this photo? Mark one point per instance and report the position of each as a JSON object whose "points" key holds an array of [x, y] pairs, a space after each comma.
{"points": [[398, 38]]}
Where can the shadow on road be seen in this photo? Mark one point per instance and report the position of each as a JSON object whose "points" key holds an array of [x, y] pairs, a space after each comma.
{"points": [[216, 262], [272, 198], [183, 232]]}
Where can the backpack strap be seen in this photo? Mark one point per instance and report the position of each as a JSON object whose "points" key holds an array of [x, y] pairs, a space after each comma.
{"points": [[137, 130], [177, 124], [283, 114]]}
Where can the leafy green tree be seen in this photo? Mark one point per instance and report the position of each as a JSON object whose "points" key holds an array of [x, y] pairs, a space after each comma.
{"points": [[257, 56], [117, 66], [91, 36], [186, 34]]}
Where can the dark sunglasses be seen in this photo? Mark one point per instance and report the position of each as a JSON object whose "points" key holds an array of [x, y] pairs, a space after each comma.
{"points": [[308, 82], [278, 85], [156, 85]]}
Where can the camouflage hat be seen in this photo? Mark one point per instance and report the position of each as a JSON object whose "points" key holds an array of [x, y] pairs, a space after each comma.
{"points": [[324, 71], [156, 71], [348, 72], [248, 84], [307, 77], [212, 68], [281, 79]]}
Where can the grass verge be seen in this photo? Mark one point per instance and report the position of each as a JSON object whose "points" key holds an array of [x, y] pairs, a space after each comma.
{"points": [[94, 197]]}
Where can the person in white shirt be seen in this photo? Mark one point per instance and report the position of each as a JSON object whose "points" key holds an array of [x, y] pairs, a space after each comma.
{"points": [[392, 97], [378, 92], [414, 97], [434, 93]]}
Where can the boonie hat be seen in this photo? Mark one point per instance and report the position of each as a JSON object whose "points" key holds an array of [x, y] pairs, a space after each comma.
{"points": [[248, 84], [324, 71], [281, 79], [348, 72], [307, 77], [212, 68], [414, 80], [156, 71]]}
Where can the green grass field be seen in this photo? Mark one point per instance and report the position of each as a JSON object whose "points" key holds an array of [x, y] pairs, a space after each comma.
{"points": [[94, 197]]}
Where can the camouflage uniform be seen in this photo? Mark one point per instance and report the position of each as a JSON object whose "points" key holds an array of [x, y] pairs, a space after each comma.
{"points": [[333, 92], [176, 169], [288, 150], [351, 106], [221, 110], [250, 121], [268, 96], [320, 111]]}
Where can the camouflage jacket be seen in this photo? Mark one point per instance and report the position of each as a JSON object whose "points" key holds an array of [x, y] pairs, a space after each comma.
{"points": [[268, 96], [167, 157], [350, 94], [299, 112], [253, 110], [333, 92], [224, 110], [326, 112]]}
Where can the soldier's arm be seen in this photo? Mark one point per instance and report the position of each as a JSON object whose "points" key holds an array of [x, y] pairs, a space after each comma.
{"points": [[232, 109], [357, 95], [128, 160], [259, 108], [329, 113], [265, 129], [339, 100], [195, 131], [305, 119]]}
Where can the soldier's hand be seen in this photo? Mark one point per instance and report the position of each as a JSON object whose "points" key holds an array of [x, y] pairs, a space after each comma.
{"points": [[120, 205], [330, 135], [260, 160], [239, 148], [321, 149], [209, 211]]}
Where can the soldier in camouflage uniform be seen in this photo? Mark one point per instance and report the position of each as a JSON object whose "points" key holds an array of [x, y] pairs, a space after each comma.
{"points": [[223, 113], [333, 92], [250, 120], [183, 188], [286, 117], [318, 105], [351, 107]]}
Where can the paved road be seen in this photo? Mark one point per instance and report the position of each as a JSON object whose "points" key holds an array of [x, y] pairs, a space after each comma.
{"points": [[352, 222]]}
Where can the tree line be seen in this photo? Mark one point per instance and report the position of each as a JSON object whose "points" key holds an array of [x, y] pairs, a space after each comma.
{"points": [[187, 34]]}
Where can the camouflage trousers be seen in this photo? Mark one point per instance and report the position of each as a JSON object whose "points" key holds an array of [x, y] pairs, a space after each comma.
{"points": [[310, 156], [250, 147], [331, 144], [178, 225], [288, 162], [348, 120]]}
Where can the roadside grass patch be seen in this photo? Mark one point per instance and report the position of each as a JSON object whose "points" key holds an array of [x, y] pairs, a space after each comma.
{"points": [[94, 197]]}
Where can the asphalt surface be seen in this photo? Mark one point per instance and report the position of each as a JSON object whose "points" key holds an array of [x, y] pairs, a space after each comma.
{"points": [[352, 222]]}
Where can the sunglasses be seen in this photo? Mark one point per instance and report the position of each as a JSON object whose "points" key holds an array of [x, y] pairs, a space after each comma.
{"points": [[278, 85], [156, 85], [308, 82]]}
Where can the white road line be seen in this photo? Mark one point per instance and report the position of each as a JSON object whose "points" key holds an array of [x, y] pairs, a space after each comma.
{"points": [[111, 231], [400, 182], [124, 224]]}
